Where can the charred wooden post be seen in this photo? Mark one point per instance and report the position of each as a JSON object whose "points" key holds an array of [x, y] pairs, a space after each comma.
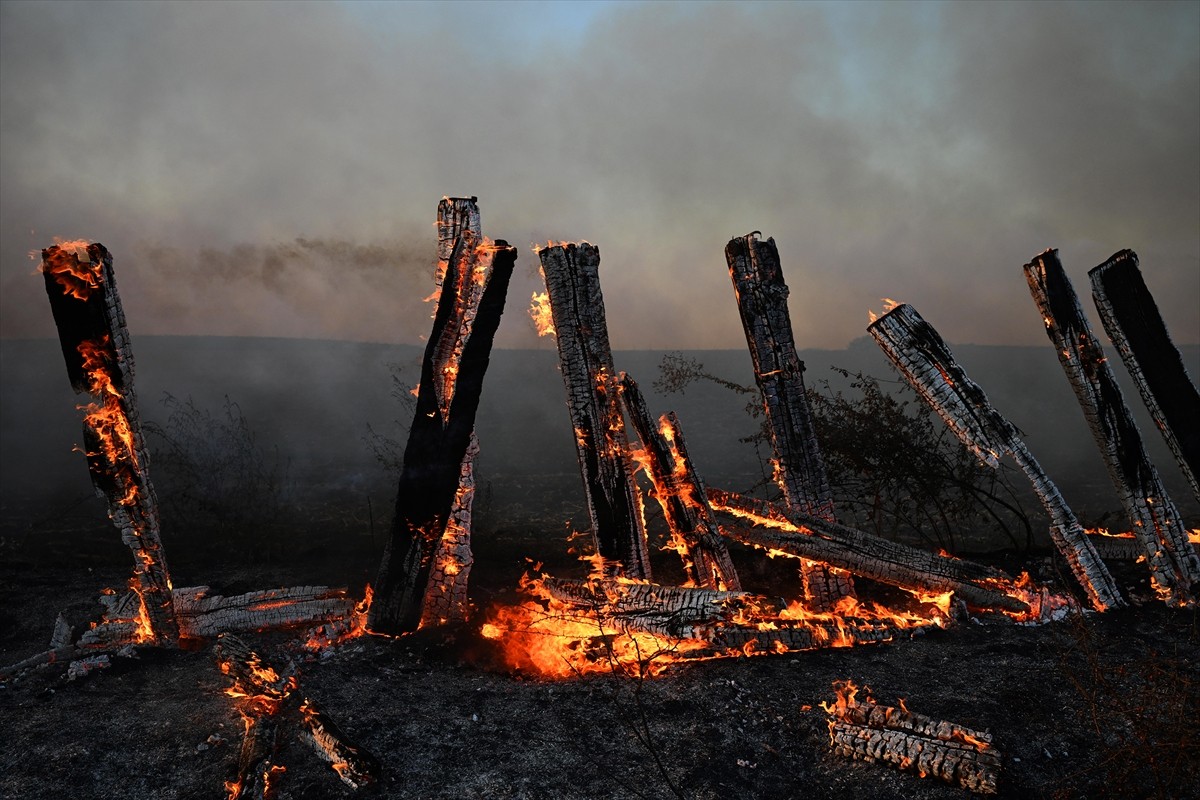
{"points": [[799, 469], [270, 693], [860, 728], [439, 438], [1137, 330], [254, 768], [790, 533], [694, 532], [455, 215], [922, 357], [1174, 567], [572, 275], [95, 343]]}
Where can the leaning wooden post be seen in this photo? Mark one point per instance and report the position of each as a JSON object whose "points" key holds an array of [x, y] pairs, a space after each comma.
{"points": [[1174, 567], [799, 469], [922, 357], [677, 487], [440, 436], [572, 275], [95, 343], [1137, 330]]}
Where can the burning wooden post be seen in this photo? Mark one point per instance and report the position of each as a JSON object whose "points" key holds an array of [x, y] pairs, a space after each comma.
{"points": [[572, 275], [860, 728], [434, 476], [270, 697], [799, 469], [1174, 567], [790, 533], [922, 357], [1137, 330], [95, 343], [694, 532]]}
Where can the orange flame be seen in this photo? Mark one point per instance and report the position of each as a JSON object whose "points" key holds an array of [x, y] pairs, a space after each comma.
{"points": [[539, 312]]}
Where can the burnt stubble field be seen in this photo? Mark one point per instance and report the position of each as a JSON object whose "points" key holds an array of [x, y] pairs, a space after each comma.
{"points": [[1092, 706]]}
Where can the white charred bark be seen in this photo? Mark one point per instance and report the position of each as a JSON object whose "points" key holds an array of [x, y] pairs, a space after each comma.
{"points": [[922, 357]]}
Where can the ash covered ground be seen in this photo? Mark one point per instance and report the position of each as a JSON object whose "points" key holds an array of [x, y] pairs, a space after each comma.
{"points": [[1094, 706]]}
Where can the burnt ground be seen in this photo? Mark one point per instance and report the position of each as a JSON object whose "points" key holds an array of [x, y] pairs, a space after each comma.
{"points": [[1095, 706]]}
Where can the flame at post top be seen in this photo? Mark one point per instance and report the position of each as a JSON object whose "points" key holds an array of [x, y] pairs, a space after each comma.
{"points": [[888, 305]]}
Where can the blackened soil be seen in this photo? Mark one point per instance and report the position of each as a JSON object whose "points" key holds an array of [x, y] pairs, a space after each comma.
{"points": [[1095, 706]]}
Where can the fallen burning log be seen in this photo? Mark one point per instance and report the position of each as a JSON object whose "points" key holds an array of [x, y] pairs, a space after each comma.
{"points": [[1137, 330], [433, 496], [802, 536], [1174, 567], [694, 532], [922, 357], [799, 469], [716, 623], [864, 730], [270, 697], [95, 343], [572, 275]]}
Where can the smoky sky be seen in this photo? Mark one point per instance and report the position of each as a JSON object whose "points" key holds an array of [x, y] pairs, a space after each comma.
{"points": [[273, 169]]}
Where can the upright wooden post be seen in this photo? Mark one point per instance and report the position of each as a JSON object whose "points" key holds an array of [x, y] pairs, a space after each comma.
{"points": [[922, 357], [572, 275], [95, 343], [677, 487], [440, 435], [1137, 330], [799, 469], [1174, 567]]}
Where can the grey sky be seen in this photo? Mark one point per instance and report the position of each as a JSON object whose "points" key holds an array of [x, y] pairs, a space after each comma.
{"points": [[914, 151]]}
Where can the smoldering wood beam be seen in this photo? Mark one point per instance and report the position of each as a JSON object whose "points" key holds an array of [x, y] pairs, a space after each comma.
{"points": [[254, 768], [437, 445], [81, 286], [455, 215], [266, 690], [801, 536], [1136, 328], [684, 602], [572, 275], [680, 494], [1174, 567], [761, 295], [922, 357], [864, 730]]}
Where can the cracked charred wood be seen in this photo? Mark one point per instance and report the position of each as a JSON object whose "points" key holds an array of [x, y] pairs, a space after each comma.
{"points": [[694, 533], [446, 598], [802, 536], [864, 730], [437, 444], [1135, 327], [799, 469], [454, 216], [922, 357], [683, 602], [95, 344], [1157, 524], [268, 692], [202, 616], [254, 767], [572, 275]]}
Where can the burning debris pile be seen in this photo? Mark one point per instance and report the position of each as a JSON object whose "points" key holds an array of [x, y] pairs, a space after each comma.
{"points": [[617, 619]]}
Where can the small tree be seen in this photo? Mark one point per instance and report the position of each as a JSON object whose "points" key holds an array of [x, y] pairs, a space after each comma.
{"points": [[895, 470]]}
